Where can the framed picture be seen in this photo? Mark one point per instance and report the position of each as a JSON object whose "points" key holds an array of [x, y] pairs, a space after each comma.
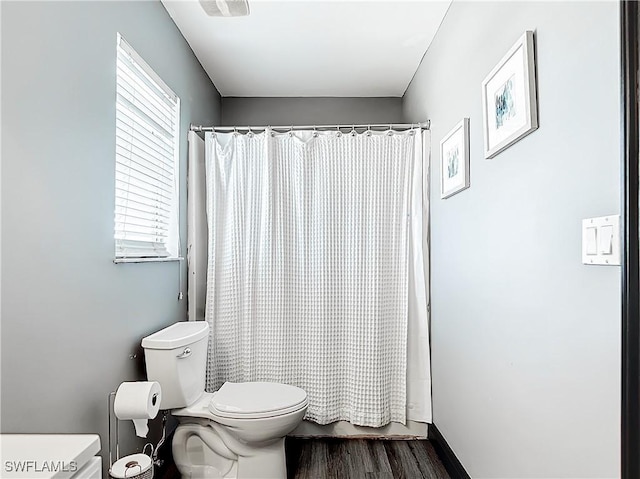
{"points": [[509, 98], [454, 160]]}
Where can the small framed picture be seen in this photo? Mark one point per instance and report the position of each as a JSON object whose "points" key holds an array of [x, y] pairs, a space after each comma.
{"points": [[509, 98], [454, 160]]}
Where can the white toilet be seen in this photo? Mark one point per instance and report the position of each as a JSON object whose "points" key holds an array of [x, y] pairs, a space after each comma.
{"points": [[236, 432]]}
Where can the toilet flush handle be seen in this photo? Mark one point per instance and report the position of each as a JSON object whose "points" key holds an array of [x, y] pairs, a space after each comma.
{"points": [[185, 354]]}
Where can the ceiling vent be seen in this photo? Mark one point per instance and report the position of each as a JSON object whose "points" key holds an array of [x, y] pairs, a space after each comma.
{"points": [[225, 8]]}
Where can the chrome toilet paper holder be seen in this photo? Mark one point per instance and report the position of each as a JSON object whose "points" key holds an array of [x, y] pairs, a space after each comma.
{"points": [[113, 425]]}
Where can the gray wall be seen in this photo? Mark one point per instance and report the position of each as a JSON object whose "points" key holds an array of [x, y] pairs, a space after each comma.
{"points": [[70, 317], [238, 111], [526, 339]]}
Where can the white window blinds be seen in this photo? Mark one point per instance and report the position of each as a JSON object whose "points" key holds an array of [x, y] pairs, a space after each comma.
{"points": [[147, 153]]}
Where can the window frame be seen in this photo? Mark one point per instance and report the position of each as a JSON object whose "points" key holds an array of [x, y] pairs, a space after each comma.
{"points": [[172, 243]]}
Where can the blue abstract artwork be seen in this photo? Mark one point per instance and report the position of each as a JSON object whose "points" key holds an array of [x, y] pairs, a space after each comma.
{"points": [[505, 103], [453, 159]]}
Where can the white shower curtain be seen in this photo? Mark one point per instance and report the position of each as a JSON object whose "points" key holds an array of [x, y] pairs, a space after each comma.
{"points": [[315, 266]]}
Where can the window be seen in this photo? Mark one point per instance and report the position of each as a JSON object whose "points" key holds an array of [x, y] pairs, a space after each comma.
{"points": [[147, 158]]}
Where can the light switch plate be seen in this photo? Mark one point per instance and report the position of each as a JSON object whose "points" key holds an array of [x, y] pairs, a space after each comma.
{"points": [[591, 240], [601, 240]]}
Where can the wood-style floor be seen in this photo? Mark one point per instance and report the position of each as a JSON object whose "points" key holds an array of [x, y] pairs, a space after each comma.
{"points": [[332, 458]]}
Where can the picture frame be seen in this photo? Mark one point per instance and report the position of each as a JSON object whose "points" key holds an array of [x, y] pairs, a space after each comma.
{"points": [[454, 160], [509, 101]]}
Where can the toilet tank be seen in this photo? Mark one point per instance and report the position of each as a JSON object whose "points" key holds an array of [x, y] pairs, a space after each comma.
{"points": [[176, 357]]}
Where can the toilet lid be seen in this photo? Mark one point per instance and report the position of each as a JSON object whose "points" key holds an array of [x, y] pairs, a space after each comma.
{"points": [[256, 399]]}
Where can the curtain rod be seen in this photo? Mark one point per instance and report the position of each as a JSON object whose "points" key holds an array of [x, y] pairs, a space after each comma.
{"points": [[405, 126]]}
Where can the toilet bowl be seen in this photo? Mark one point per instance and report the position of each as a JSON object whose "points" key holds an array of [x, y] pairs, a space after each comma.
{"points": [[236, 432], [241, 424]]}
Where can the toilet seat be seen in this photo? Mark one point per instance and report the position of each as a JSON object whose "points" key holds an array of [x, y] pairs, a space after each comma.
{"points": [[255, 400]]}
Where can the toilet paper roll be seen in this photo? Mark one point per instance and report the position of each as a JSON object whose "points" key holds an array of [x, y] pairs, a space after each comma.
{"points": [[138, 401]]}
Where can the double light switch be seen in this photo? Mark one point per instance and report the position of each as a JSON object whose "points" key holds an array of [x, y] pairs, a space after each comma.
{"points": [[601, 240]]}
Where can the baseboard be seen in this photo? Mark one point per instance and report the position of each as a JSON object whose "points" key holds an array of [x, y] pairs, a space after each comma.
{"points": [[447, 456], [394, 430]]}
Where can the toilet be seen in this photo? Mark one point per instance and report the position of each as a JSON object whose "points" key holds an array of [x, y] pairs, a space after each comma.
{"points": [[236, 432]]}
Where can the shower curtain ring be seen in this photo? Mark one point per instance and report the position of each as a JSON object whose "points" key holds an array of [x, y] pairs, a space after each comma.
{"points": [[368, 130]]}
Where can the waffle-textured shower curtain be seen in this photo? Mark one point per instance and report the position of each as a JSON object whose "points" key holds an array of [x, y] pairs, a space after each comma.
{"points": [[309, 240]]}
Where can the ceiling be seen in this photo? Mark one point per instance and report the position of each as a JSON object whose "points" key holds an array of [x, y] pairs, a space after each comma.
{"points": [[300, 48]]}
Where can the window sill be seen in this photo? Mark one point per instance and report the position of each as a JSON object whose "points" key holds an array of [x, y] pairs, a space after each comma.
{"points": [[147, 260]]}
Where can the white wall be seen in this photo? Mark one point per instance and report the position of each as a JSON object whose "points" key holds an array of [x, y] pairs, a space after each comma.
{"points": [[526, 339], [70, 317]]}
